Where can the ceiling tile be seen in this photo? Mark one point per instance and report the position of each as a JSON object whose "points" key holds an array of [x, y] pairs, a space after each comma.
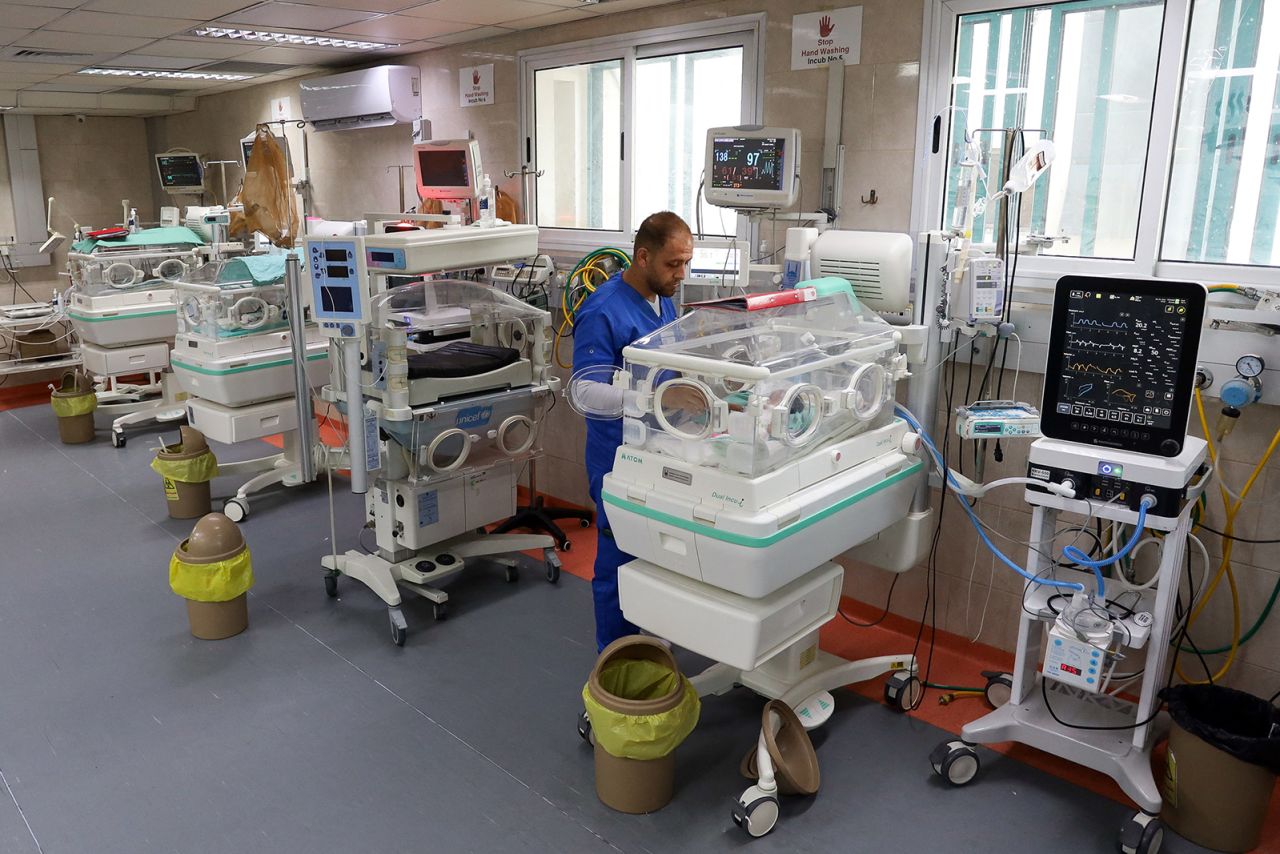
{"points": [[115, 24], [487, 12], [471, 35], [202, 9], [295, 15], [64, 85], [56, 4], [365, 5], [30, 17], [629, 5], [199, 48], [302, 56], [402, 28], [9, 35], [82, 42], [562, 16], [36, 67], [160, 63], [25, 79]]}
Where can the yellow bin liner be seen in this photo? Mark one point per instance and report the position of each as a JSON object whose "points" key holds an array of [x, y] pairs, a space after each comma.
{"points": [[195, 470], [72, 405], [219, 581], [641, 736]]}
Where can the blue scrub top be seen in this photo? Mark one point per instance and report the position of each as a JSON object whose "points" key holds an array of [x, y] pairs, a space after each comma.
{"points": [[610, 319]]}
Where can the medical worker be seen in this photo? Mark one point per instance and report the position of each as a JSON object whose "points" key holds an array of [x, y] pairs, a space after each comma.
{"points": [[628, 306]]}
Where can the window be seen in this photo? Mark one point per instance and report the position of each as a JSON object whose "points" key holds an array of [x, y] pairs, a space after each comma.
{"points": [[617, 126], [1224, 190], [1165, 115]]}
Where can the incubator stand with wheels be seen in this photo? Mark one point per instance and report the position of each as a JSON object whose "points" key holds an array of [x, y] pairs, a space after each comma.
{"points": [[757, 447], [233, 354], [122, 307], [457, 376]]}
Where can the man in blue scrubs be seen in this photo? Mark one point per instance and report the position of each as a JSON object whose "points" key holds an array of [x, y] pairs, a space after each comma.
{"points": [[628, 306]]}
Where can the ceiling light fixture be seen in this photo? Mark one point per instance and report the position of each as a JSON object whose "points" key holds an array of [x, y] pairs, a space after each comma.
{"points": [[167, 75], [287, 38]]}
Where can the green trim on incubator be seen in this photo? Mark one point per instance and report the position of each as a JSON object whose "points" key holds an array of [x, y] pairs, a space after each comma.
{"points": [[124, 315], [213, 373], [781, 534]]}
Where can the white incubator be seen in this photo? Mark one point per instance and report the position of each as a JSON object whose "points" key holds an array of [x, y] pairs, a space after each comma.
{"points": [[753, 439], [124, 296], [233, 342]]}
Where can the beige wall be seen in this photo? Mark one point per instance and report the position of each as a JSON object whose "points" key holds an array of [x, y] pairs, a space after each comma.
{"points": [[88, 167]]}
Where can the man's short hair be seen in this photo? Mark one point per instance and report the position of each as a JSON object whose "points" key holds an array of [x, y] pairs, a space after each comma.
{"points": [[657, 229]]}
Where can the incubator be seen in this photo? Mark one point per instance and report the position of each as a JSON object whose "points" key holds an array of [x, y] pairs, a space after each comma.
{"points": [[233, 341], [752, 440], [749, 391], [124, 296]]}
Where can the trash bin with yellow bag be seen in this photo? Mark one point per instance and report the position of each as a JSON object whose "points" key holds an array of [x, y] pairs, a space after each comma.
{"points": [[640, 708], [187, 469], [74, 402], [213, 571]]}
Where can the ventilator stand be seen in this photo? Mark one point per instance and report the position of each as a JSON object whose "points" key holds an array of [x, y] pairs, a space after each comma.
{"points": [[1110, 735], [538, 516]]}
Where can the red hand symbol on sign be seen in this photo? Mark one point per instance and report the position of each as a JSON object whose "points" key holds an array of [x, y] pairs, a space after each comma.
{"points": [[825, 27]]}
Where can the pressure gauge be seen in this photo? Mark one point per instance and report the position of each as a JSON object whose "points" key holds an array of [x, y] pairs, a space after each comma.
{"points": [[1250, 367]]}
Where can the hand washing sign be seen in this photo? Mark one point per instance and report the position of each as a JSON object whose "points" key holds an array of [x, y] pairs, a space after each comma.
{"points": [[475, 85], [821, 38]]}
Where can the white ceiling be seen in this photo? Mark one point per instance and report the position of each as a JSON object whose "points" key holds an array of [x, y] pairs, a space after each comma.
{"points": [[44, 43]]}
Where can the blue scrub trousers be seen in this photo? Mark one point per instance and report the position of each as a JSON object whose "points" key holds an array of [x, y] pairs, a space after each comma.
{"points": [[610, 624]]}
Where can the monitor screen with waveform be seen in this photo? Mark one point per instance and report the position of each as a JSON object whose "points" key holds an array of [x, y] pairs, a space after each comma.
{"points": [[1120, 357]]}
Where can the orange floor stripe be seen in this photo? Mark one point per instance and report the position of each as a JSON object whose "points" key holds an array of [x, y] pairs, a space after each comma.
{"points": [[19, 396]]}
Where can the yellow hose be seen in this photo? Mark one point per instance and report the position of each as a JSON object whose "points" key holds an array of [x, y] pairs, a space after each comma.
{"points": [[1231, 509]]}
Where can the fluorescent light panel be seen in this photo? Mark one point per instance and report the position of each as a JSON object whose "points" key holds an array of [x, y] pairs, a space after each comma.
{"points": [[237, 34], [167, 75]]}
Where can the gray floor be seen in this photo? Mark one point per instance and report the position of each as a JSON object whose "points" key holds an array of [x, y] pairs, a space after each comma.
{"points": [[312, 733]]}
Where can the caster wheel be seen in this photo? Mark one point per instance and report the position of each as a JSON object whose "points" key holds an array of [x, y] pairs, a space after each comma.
{"points": [[903, 690], [1142, 834], [118, 440], [565, 546], [399, 628], [756, 812], [440, 611], [584, 728], [584, 523], [552, 564], [998, 690], [331, 586], [955, 762], [236, 509], [512, 574]]}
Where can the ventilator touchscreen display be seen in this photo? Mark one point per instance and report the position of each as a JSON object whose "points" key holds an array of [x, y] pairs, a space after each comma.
{"points": [[1121, 357]]}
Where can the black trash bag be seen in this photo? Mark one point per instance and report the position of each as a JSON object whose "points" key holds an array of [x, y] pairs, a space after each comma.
{"points": [[1245, 726]]}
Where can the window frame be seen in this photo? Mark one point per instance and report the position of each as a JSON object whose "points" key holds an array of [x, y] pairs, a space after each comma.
{"points": [[1041, 272], [745, 31]]}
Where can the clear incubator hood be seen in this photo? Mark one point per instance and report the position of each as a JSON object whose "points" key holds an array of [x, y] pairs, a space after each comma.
{"points": [[747, 390]]}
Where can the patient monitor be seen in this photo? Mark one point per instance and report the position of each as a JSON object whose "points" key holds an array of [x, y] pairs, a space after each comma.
{"points": [[752, 166], [447, 169]]}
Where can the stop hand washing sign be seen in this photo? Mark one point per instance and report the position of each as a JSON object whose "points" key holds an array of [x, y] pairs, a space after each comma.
{"points": [[821, 38]]}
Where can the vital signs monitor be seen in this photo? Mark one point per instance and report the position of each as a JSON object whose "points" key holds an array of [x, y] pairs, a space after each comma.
{"points": [[750, 166]]}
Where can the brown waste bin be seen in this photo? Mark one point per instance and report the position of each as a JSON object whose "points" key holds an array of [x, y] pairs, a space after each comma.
{"points": [[73, 402], [1212, 797], [638, 686], [212, 570], [187, 469]]}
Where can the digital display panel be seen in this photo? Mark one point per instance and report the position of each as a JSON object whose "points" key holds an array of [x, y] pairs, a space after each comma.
{"points": [[746, 163], [180, 170], [443, 169], [1121, 357], [382, 257], [335, 255], [334, 272], [1067, 668], [335, 299], [1122, 362]]}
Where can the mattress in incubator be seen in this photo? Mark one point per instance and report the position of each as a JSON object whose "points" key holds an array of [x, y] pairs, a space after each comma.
{"points": [[244, 378], [751, 536]]}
